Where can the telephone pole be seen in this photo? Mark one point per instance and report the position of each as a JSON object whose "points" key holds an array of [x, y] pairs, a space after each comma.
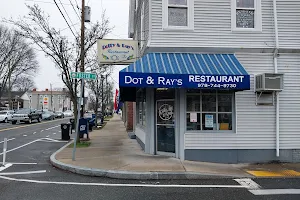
{"points": [[82, 55]]}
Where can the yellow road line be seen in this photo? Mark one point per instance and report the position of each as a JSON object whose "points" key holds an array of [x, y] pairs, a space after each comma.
{"points": [[18, 127], [282, 173]]}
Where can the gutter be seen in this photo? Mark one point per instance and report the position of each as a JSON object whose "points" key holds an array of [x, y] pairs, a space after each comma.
{"points": [[276, 71]]}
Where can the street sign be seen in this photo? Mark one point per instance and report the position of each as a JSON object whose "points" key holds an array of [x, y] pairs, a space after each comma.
{"points": [[83, 75]]}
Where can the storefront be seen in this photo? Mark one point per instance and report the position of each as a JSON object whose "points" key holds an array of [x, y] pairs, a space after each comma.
{"points": [[180, 97]]}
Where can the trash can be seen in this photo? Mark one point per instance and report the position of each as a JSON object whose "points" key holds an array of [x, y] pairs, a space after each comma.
{"points": [[65, 131], [72, 121]]}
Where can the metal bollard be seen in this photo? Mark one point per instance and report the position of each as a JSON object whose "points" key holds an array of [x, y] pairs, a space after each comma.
{"points": [[4, 151]]}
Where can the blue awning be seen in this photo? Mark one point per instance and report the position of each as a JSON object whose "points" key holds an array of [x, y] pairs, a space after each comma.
{"points": [[186, 70]]}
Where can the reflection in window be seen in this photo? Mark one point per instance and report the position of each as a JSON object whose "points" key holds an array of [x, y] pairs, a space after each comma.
{"points": [[245, 13], [209, 110], [141, 107], [178, 13]]}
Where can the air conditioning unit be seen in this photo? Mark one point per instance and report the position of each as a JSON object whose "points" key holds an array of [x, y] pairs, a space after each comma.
{"points": [[268, 82]]}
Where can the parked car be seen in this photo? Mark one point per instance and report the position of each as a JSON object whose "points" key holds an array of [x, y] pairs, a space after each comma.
{"points": [[48, 115], [60, 114], [5, 116], [68, 113], [26, 115]]}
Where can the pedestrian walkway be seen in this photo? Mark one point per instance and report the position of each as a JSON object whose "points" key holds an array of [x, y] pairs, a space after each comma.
{"points": [[113, 154]]}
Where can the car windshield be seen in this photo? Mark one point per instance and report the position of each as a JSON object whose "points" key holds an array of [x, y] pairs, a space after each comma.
{"points": [[3, 113], [23, 111]]}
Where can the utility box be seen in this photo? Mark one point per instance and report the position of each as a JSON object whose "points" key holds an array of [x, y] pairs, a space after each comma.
{"points": [[87, 14], [269, 82]]}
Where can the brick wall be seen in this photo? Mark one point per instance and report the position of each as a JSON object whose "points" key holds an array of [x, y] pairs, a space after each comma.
{"points": [[129, 107]]}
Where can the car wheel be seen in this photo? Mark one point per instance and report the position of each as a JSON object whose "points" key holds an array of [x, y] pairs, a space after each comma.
{"points": [[6, 120], [13, 122], [39, 119], [29, 121]]}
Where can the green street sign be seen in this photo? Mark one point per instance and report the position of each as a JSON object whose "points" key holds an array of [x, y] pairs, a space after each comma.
{"points": [[83, 75]]}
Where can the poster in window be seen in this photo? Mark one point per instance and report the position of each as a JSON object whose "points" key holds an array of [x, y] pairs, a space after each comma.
{"points": [[193, 117], [209, 121]]}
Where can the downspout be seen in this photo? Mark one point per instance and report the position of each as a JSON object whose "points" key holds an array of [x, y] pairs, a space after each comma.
{"points": [[276, 71]]}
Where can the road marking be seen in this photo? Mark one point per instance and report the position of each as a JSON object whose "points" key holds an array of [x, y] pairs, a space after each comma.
{"points": [[5, 167], [28, 172], [14, 163], [59, 131], [54, 133], [34, 133], [47, 136], [282, 173], [247, 182], [42, 130], [25, 135], [8, 140], [275, 191], [18, 127], [24, 145], [52, 128], [50, 140], [123, 185]]}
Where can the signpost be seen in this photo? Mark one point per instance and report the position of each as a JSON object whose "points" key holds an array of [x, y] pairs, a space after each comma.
{"points": [[83, 75], [87, 76]]}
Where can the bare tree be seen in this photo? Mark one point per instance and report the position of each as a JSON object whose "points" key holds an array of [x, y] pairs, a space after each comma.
{"points": [[64, 53], [97, 86], [17, 58], [23, 83]]}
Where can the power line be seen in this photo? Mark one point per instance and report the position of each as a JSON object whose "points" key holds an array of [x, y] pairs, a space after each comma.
{"points": [[64, 18], [75, 10], [45, 2], [66, 13]]}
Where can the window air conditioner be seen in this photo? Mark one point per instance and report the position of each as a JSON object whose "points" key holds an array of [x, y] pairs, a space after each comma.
{"points": [[268, 82]]}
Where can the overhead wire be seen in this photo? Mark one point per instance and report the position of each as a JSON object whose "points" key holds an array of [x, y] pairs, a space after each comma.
{"points": [[67, 14], [74, 9], [64, 18]]}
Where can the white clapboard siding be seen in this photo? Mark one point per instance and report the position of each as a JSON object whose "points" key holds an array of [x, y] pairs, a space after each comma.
{"points": [[289, 64], [212, 28], [289, 23], [138, 30], [255, 124]]}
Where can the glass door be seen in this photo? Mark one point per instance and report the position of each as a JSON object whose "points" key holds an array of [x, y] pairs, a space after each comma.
{"points": [[165, 127]]}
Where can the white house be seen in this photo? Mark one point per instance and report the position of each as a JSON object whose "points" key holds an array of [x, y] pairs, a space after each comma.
{"points": [[217, 80]]}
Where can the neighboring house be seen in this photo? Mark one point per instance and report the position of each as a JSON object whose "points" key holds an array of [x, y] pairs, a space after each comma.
{"points": [[51, 100], [195, 86], [18, 100]]}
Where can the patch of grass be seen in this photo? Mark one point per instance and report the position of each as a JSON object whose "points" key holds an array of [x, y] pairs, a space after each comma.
{"points": [[104, 123], [82, 144]]}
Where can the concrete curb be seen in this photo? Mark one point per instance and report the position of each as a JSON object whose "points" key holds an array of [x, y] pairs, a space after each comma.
{"points": [[135, 175]]}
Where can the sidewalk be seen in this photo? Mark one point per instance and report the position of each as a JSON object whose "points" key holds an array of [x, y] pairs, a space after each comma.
{"points": [[113, 154]]}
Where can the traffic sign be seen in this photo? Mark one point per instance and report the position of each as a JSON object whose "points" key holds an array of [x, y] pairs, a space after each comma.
{"points": [[83, 75]]}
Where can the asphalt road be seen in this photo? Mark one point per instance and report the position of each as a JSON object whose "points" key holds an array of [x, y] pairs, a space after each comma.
{"points": [[30, 176]]}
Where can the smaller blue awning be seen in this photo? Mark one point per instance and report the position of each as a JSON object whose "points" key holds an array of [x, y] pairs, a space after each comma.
{"points": [[186, 70]]}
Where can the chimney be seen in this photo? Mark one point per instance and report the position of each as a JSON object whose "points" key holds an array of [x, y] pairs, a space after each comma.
{"points": [[34, 90], [46, 90]]}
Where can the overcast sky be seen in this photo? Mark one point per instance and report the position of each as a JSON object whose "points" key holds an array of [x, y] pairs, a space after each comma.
{"points": [[116, 10]]}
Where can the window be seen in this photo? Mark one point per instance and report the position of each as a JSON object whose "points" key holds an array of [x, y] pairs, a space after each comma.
{"points": [[178, 14], [141, 108], [246, 15], [209, 110]]}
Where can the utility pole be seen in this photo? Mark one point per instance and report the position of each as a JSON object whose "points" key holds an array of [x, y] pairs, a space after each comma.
{"points": [[102, 98], [9, 87], [51, 101], [82, 55], [82, 83]]}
